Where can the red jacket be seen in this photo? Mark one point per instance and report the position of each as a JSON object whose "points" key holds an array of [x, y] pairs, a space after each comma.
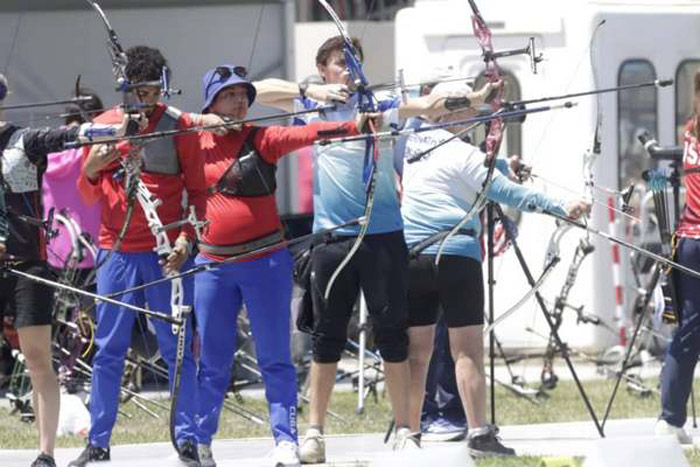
{"points": [[234, 220], [168, 188]]}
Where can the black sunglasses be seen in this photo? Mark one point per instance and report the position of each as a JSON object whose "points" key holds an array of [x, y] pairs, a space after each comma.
{"points": [[222, 73]]}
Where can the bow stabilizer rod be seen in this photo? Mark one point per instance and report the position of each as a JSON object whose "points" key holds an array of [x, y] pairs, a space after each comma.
{"points": [[73, 100], [172, 133], [440, 126], [660, 83]]}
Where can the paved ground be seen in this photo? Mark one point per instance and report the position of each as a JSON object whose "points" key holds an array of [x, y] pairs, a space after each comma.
{"points": [[556, 439]]}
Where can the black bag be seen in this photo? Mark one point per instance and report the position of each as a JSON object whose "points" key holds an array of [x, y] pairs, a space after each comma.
{"points": [[303, 278]]}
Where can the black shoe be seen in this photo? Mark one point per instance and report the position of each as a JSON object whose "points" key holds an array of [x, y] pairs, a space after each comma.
{"points": [[90, 454], [44, 460], [488, 444], [187, 451]]}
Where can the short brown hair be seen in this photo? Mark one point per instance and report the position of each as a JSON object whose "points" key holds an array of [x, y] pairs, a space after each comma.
{"points": [[334, 44], [697, 82]]}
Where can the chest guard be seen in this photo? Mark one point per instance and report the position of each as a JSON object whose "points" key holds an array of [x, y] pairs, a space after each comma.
{"points": [[160, 155], [249, 175]]}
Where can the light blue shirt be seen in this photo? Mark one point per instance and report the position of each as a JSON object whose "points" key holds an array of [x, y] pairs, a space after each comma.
{"points": [[340, 193], [440, 188]]}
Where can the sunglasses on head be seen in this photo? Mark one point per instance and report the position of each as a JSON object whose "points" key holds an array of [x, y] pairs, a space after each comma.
{"points": [[222, 73]]}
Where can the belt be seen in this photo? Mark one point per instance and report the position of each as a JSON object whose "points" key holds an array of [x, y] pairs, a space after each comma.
{"points": [[242, 248], [418, 248]]}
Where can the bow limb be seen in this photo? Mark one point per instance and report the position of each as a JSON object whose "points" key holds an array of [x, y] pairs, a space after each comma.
{"points": [[494, 136], [179, 310], [119, 60], [119, 63], [553, 247], [533, 290], [135, 189], [366, 102]]}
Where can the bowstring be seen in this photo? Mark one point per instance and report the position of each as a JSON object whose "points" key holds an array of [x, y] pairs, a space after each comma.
{"points": [[13, 45], [594, 200], [255, 38]]}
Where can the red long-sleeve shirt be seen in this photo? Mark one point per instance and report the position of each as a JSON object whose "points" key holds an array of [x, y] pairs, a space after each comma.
{"points": [[168, 188], [690, 218], [235, 220]]}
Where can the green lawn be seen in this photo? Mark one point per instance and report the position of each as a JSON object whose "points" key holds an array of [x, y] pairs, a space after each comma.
{"points": [[563, 405]]}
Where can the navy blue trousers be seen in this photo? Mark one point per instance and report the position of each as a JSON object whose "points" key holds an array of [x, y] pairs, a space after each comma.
{"points": [[441, 394], [682, 355]]}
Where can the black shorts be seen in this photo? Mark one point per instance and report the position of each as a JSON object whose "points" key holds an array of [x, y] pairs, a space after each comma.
{"points": [[456, 286], [30, 302], [380, 268]]}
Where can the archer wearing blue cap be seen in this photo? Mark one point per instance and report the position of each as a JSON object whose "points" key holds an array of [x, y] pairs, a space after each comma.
{"points": [[240, 171], [222, 77]]}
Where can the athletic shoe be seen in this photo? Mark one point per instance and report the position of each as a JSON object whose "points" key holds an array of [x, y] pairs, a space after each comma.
{"points": [[89, 455], [405, 440], [444, 430], [187, 452], [664, 428], [313, 447], [286, 454], [206, 458], [484, 442], [44, 460]]}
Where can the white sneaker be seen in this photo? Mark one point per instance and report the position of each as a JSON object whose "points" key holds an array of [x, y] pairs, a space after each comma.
{"points": [[206, 459], [313, 447], [286, 454], [443, 430], [664, 428], [405, 440]]}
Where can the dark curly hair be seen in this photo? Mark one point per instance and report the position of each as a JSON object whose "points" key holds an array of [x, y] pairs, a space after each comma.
{"points": [[144, 64], [334, 44], [75, 112]]}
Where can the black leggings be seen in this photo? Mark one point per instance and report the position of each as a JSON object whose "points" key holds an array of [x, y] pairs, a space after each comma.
{"points": [[380, 268]]}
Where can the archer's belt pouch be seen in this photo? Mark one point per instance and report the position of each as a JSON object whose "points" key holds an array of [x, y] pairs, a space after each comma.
{"points": [[242, 248], [248, 176]]}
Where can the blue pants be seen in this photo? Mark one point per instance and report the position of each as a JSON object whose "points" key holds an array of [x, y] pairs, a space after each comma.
{"points": [[113, 336], [682, 355], [442, 399], [265, 286]]}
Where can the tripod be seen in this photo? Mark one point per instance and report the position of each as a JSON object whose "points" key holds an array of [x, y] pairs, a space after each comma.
{"points": [[493, 210]]}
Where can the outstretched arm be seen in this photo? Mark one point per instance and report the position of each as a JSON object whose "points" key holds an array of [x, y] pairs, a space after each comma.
{"points": [[435, 105], [281, 94]]}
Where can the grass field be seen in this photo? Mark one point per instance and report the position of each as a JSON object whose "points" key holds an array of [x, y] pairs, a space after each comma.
{"points": [[563, 405]]}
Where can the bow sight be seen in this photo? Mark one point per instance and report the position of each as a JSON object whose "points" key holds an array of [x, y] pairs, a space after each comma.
{"points": [[530, 51]]}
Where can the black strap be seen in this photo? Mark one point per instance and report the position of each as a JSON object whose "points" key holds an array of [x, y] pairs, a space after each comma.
{"points": [[418, 248]]}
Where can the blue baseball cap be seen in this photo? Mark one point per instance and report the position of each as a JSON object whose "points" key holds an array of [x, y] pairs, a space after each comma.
{"points": [[222, 77]]}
